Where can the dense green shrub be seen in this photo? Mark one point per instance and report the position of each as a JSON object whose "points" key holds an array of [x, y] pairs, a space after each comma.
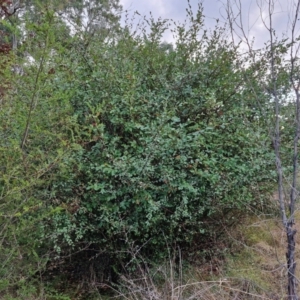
{"points": [[117, 147], [166, 138]]}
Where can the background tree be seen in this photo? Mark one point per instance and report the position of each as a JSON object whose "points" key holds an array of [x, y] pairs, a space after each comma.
{"points": [[279, 81]]}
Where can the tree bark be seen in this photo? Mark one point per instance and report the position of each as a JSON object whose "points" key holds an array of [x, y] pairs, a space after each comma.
{"points": [[291, 264]]}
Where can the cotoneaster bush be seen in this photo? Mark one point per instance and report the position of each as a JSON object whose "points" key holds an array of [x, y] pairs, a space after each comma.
{"points": [[166, 140]]}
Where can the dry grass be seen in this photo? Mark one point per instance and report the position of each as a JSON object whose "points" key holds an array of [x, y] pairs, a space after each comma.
{"points": [[164, 285], [257, 270]]}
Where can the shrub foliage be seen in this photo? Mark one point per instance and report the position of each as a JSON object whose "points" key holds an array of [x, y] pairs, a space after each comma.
{"points": [[114, 140]]}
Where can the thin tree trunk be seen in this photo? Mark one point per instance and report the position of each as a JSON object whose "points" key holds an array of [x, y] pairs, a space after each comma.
{"points": [[287, 214], [291, 264]]}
